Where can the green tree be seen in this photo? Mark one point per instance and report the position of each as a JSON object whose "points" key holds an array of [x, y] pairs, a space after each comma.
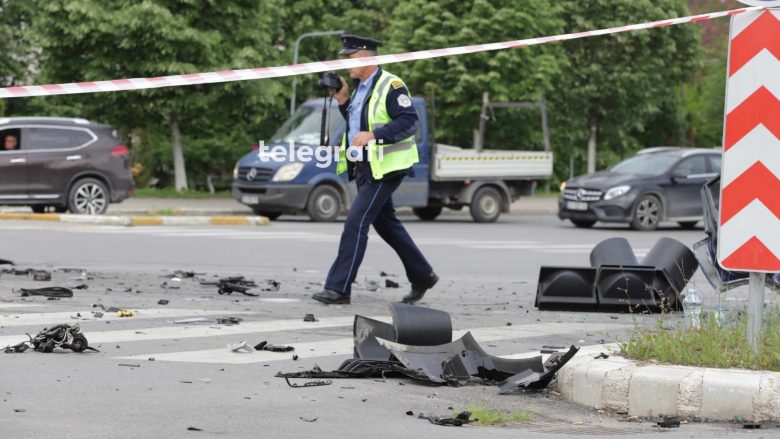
{"points": [[17, 58], [614, 88], [106, 39], [459, 82]]}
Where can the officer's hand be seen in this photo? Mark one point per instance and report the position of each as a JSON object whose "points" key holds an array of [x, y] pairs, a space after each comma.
{"points": [[342, 96], [362, 138]]}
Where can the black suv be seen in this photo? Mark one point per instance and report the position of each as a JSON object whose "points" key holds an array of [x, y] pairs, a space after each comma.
{"points": [[655, 185], [62, 164]]}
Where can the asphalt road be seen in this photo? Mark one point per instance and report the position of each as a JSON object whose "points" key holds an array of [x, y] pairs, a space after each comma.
{"points": [[488, 273]]}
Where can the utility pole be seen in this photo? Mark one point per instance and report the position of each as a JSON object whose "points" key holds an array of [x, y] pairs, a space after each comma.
{"points": [[295, 59]]}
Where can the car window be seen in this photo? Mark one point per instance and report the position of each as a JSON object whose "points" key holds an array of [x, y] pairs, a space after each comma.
{"points": [[10, 139], [692, 166], [646, 164], [715, 161], [54, 138]]}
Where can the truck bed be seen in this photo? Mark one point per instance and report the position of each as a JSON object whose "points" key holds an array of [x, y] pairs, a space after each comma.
{"points": [[456, 163]]}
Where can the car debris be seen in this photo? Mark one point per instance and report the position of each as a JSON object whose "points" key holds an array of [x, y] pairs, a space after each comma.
{"points": [[41, 276], [316, 383], [617, 282], [162, 302], [309, 318], [194, 429], [241, 346], [183, 274], [80, 287], [265, 346], [193, 320], [751, 426], [173, 286], [57, 292], [459, 420], [669, 422], [307, 419], [432, 357], [125, 313], [59, 336], [17, 348], [391, 284], [234, 284], [229, 320], [129, 365], [6, 262]]}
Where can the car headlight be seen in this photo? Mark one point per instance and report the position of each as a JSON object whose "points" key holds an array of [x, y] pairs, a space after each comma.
{"points": [[616, 192], [288, 172], [563, 185], [235, 172]]}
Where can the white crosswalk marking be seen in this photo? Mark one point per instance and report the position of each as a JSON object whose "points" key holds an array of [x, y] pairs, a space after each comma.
{"points": [[48, 318], [344, 346], [338, 342]]}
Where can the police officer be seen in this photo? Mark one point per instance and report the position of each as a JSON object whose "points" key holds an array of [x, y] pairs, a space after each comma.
{"points": [[381, 123]]}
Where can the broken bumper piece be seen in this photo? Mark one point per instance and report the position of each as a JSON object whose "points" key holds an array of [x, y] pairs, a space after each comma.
{"points": [[379, 353]]}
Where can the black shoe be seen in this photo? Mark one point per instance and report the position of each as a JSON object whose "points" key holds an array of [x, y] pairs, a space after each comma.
{"points": [[330, 297], [418, 290]]}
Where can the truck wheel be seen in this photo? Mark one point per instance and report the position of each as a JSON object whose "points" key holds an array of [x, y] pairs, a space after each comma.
{"points": [[270, 215], [324, 204], [486, 205], [647, 213], [88, 196], [427, 213], [583, 224]]}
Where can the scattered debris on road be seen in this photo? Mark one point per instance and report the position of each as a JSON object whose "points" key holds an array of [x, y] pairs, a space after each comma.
{"points": [[193, 320], [307, 419], [265, 346], [309, 318], [669, 422], [461, 419], [41, 275], [419, 345], [129, 365], [59, 336], [229, 320], [162, 302], [241, 346], [6, 262], [56, 292], [390, 284], [125, 313], [751, 426]]}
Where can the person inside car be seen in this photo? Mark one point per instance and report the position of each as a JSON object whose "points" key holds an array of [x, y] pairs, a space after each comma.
{"points": [[10, 143]]}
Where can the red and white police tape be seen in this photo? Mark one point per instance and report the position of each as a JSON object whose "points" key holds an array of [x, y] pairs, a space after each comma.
{"points": [[323, 66]]}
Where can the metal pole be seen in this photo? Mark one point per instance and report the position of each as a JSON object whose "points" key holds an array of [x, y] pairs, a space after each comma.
{"points": [[756, 309], [295, 58]]}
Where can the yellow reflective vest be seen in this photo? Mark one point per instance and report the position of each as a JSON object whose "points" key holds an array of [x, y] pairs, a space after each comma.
{"points": [[383, 158]]}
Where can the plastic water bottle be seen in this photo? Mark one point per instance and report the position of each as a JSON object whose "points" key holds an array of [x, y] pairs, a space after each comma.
{"points": [[721, 315], [692, 309]]}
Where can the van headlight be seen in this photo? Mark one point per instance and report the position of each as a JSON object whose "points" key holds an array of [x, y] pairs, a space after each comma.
{"points": [[288, 172], [563, 185], [616, 192], [235, 172]]}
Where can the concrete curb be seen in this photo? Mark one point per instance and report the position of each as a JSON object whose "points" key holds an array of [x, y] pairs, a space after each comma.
{"points": [[140, 220], [652, 390]]}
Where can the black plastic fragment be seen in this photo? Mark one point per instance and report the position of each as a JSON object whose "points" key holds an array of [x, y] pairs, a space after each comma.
{"points": [[391, 284], [459, 420], [265, 346], [309, 318], [48, 292], [229, 320], [41, 275], [6, 262], [162, 302], [316, 383], [669, 422]]}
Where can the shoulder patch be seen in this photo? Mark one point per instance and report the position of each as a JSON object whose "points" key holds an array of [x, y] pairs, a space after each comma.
{"points": [[396, 84], [404, 101]]}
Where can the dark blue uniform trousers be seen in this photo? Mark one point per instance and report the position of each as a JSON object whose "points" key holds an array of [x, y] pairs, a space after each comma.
{"points": [[374, 205]]}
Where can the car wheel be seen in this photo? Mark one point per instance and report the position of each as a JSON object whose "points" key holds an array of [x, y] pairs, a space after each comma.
{"points": [[88, 197], [270, 215], [38, 208], [583, 224], [427, 213], [486, 205], [687, 224], [324, 204], [647, 213]]}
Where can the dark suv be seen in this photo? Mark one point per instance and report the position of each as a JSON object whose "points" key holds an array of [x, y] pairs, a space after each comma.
{"points": [[62, 164], [655, 185]]}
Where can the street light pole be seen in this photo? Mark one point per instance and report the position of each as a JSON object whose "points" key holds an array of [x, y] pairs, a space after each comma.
{"points": [[295, 58]]}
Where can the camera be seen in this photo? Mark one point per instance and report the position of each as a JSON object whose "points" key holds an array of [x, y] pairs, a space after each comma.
{"points": [[330, 81]]}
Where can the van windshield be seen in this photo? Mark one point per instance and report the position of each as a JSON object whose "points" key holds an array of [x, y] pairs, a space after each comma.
{"points": [[304, 126], [647, 164]]}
